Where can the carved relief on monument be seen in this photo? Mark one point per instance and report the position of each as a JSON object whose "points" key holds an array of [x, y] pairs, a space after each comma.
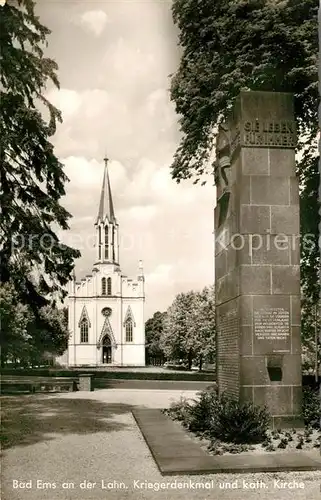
{"points": [[223, 156], [222, 170]]}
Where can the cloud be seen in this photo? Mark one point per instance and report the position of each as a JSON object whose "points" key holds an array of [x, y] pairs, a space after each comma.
{"points": [[95, 21], [83, 174], [86, 176], [159, 106], [114, 100], [142, 213], [67, 101], [132, 69], [94, 123], [90, 103], [160, 275]]}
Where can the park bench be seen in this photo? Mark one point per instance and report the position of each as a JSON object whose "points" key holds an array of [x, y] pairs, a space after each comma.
{"points": [[38, 384]]}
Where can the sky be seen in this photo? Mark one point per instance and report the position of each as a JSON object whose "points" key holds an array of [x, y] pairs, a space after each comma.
{"points": [[114, 59]]}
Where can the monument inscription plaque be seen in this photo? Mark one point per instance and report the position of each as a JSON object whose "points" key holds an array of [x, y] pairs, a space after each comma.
{"points": [[227, 346], [271, 323], [229, 326], [264, 134], [277, 134]]}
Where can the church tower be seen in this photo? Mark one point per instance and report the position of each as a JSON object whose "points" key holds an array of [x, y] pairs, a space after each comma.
{"points": [[106, 308], [107, 242]]}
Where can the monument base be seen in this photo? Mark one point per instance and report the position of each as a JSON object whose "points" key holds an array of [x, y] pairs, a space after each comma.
{"points": [[286, 422]]}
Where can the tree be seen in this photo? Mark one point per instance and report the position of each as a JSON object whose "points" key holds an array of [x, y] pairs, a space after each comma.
{"points": [[51, 339], [309, 206], [32, 177], [23, 337], [175, 327], [200, 342], [310, 330], [15, 318], [229, 45], [310, 258], [153, 332], [189, 327], [66, 316]]}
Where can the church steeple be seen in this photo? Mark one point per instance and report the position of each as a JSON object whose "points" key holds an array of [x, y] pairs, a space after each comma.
{"points": [[106, 224], [106, 207]]}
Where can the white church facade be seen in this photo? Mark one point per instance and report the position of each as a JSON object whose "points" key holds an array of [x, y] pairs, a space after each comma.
{"points": [[106, 308]]}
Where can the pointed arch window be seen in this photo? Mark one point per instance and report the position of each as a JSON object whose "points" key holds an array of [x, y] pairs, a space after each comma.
{"points": [[113, 242], [99, 242], [106, 242], [129, 330], [109, 290], [103, 286], [129, 315], [84, 328]]}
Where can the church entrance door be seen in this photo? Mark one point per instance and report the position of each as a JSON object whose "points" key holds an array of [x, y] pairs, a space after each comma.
{"points": [[107, 359]]}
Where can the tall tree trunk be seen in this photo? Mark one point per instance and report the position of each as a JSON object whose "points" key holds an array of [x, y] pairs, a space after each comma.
{"points": [[201, 363], [190, 359]]}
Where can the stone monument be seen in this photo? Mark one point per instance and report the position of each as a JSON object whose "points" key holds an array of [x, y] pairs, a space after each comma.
{"points": [[257, 256]]}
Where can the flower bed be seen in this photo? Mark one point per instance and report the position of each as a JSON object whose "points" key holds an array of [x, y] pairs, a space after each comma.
{"points": [[224, 426]]}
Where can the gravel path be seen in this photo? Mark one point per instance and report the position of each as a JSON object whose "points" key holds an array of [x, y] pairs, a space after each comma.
{"points": [[77, 437]]}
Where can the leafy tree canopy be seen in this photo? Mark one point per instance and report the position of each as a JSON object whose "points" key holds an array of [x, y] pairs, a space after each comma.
{"points": [[229, 45], [153, 332], [25, 337], [309, 178], [32, 178], [189, 327]]}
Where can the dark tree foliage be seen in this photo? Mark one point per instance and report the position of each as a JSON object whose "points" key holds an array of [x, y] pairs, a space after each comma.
{"points": [[32, 178], [309, 178], [310, 251], [153, 331], [28, 339], [229, 45]]}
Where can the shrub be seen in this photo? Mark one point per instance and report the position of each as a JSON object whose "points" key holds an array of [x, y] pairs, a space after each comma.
{"points": [[270, 447], [180, 410], [288, 435], [215, 448], [236, 448], [283, 443], [311, 407], [202, 411], [267, 442], [239, 422], [222, 418]]}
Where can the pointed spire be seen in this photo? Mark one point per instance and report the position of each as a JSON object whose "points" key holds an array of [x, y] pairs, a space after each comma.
{"points": [[106, 207]]}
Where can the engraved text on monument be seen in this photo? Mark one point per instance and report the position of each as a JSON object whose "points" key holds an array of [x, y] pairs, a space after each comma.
{"points": [[272, 323]]}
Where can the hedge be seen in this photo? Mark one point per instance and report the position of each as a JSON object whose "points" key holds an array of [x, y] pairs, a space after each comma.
{"points": [[42, 372], [307, 381]]}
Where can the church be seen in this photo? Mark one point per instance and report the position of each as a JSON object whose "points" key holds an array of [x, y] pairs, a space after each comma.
{"points": [[106, 308]]}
